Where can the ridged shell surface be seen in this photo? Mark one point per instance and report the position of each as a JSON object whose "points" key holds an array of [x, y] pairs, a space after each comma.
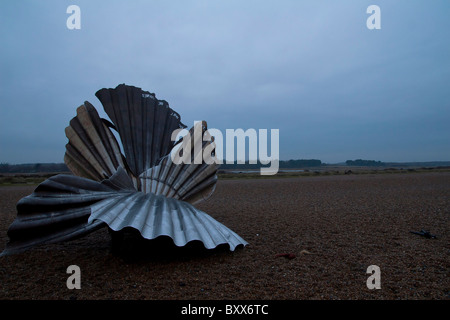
{"points": [[155, 215], [92, 151], [145, 124], [59, 209]]}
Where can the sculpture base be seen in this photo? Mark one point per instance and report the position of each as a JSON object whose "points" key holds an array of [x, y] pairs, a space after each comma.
{"points": [[129, 245]]}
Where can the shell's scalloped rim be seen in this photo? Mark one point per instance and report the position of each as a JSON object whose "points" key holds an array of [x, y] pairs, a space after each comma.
{"points": [[232, 246], [190, 242]]}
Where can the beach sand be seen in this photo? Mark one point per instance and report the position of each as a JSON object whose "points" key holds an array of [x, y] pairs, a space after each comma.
{"points": [[335, 226]]}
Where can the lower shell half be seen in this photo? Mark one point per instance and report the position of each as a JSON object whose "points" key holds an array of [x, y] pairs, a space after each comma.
{"points": [[155, 215], [66, 207]]}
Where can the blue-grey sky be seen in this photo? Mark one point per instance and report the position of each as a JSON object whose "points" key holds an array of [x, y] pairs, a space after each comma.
{"points": [[312, 69]]}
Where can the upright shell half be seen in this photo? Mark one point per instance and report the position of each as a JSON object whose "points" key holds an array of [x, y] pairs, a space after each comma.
{"points": [[150, 187]]}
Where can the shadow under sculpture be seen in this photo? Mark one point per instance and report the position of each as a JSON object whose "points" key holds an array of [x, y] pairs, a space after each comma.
{"points": [[141, 189]]}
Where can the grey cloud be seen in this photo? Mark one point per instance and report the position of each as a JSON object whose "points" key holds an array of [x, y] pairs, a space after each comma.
{"points": [[312, 69]]}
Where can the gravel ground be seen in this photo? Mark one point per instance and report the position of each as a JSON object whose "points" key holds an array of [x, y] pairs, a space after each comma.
{"points": [[335, 226]]}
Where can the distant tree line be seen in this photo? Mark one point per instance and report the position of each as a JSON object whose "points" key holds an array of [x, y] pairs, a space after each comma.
{"points": [[33, 168], [300, 163], [284, 164], [61, 167], [365, 163]]}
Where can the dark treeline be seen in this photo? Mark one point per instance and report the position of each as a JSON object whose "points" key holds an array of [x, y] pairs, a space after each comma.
{"points": [[373, 163], [365, 163], [284, 164], [33, 168], [61, 167]]}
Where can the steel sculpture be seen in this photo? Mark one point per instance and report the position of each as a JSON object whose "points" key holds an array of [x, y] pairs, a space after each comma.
{"points": [[143, 188]]}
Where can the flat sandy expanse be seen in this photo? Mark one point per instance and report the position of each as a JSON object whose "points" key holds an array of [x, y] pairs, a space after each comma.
{"points": [[336, 226]]}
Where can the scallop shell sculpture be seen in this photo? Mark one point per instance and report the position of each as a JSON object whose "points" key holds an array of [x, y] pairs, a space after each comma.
{"points": [[143, 188]]}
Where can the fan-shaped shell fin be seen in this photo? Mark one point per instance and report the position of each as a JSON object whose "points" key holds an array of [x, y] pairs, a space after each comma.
{"points": [[183, 178], [145, 124], [59, 209], [92, 151]]}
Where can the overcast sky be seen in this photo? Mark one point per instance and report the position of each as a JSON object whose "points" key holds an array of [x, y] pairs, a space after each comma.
{"points": [[312, 69]]}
